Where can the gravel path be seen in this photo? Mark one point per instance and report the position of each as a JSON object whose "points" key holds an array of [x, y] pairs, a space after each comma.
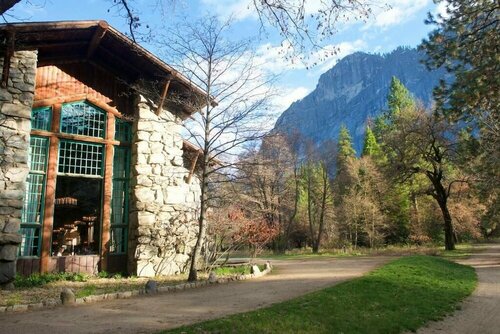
{"points": [[290, 278], [480, 313]]}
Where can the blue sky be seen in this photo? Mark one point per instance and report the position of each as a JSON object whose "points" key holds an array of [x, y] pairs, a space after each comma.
{"points": [[402, 24]]}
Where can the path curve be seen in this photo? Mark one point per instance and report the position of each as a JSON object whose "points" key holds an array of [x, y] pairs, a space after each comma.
{"points": [[480, 313], [289, 279]]}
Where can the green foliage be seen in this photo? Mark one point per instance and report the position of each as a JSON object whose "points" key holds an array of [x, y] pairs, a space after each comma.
{"points": [[87, 290], [103, 274], [399, 98], [401, 296], [465, 42], [36, 280], [371, 146], [345, 148]]}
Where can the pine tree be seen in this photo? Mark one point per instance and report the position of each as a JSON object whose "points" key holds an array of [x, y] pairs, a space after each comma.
{"points": [[399, 98], [345, 149], [371, 146]]}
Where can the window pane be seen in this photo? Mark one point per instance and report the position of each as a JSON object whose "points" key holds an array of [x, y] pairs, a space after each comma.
{"points": [[33, 200], [80, 158], [37, 156], [41, 118], [123, 131], [30, 243], [83, 119]]}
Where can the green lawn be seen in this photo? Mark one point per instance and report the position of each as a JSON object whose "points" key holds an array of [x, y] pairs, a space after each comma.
{"points": [[402, 295]]}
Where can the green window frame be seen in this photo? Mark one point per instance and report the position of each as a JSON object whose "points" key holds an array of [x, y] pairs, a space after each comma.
{"points": [[34, 199], [41, 118], [80, 158], [120, 192], [84, 119]]}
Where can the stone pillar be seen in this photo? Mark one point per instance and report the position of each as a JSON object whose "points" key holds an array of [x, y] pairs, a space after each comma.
{"points": [[164, 208], [15, 112]]}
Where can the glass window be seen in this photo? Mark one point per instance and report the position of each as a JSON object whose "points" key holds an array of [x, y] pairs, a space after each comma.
{"points": [[123, 131], [32, 211], [41, 118], [119, 200], [82, 118], [80, 158]]}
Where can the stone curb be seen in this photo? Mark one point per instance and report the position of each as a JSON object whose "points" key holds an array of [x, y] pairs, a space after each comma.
{"points": [[133, 293]]}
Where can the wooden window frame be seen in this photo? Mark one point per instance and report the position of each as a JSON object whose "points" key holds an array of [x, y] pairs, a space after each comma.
{"points": [[55, 135]]}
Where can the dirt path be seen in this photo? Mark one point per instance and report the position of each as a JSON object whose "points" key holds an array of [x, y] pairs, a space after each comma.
{"points": [[290, 278], [480, 313]]}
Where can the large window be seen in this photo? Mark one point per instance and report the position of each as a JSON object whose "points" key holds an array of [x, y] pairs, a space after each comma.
{"points": [[78, 176], [32, 213]]}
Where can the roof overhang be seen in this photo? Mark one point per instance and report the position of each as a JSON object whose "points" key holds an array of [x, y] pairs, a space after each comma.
{"points": [[99, 43]]}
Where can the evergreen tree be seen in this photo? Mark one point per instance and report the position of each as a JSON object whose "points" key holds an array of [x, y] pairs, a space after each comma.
{"points": [[345, 149], [371, 146], [399, 98]]}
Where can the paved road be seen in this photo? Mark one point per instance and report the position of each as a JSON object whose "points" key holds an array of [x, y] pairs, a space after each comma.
{"points": [[290, 278], [480, 313]]}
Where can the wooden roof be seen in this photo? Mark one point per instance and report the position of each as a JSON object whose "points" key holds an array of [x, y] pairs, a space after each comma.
{"points": [[99, 43]]}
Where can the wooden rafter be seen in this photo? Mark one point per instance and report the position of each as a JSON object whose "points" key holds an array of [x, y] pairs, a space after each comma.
{"points": [[193, 167], [163, 96], [99, 33]]}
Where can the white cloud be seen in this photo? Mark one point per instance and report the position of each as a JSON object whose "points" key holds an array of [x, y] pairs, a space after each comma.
{"points": [[271, 57], [288, 95], [237, 9], [399, 11]]}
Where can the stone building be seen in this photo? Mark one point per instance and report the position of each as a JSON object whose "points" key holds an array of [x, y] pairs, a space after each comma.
{"points": [[94, 174]]}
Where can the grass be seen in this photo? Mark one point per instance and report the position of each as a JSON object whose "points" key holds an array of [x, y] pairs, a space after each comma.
{"points": [[463, 250], [38, 288], [400, 296], [237, 270], [87, 290]]}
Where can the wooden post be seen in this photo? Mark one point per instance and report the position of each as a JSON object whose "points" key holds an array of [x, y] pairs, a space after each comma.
{"points": [[193, 166], [107, 191], [50, 191], [6, 60], [163, 96]]}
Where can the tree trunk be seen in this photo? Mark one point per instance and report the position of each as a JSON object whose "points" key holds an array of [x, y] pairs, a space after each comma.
{"points": [[202, 228], [449, 238]]}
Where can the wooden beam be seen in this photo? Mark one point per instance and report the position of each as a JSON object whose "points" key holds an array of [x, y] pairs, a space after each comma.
{"points": [[107, 189], [193, 167], [9, 52], [99, 33], [75, 98], [50, 192], [163, 97], [69, 136]]}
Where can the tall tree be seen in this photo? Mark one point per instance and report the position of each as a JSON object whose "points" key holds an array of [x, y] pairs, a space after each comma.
{"points": [[345, 148], [425, 144], [370, 145], [235, 103], [466, 42]]}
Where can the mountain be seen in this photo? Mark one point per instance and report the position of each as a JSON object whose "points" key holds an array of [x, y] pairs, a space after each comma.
{"points": [[353, 91]]}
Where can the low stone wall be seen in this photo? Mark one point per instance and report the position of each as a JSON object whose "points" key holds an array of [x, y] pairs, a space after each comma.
{"points": [[15, 126], [164, 207]]}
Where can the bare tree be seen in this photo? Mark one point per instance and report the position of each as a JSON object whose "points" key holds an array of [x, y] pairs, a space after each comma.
{"points": [[235, 104]]}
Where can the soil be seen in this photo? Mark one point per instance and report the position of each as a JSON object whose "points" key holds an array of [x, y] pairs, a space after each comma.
{"points": [[289, 279], [480, 312]]}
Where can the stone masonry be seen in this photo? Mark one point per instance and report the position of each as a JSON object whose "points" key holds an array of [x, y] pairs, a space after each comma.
{"points": [[15, 126], [164, 207]]}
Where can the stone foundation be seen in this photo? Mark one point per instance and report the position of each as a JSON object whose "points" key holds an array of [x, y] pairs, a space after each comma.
{"points": [[15, 126], [164, 207]]}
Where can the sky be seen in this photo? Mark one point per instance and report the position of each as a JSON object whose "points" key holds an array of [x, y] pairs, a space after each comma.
{"points": [[400, 25]]}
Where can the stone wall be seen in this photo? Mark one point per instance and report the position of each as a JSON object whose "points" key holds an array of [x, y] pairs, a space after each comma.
{"points": [[15, 126], [164, 208]]}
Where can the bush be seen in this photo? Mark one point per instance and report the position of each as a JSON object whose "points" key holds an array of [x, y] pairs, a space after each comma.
{"points": [[36, 280]]}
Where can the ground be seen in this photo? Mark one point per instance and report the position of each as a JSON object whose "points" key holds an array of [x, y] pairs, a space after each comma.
{"points": [[290, 278], [480, 312]]}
